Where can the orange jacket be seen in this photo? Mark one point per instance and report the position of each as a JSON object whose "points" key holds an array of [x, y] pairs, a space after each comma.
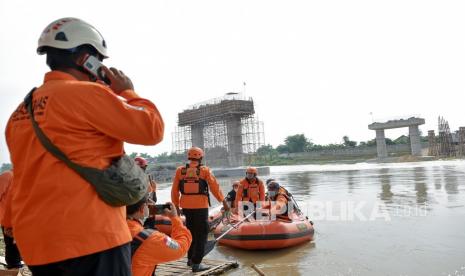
{"points": [[158, 247], [6, 178], [195, 201], [280, 203], [255, 191], [56, 214]]}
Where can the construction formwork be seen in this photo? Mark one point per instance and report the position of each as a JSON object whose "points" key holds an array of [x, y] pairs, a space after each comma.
{"points": [[446, 147], [446, 144], [226, 128]]}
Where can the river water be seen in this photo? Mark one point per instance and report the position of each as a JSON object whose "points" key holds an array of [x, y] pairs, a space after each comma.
{"points": [[370, 219]]}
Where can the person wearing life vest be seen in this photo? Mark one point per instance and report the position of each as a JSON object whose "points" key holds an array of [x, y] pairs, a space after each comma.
{"points": [[190, 191], [251, 189], [231, 197], [143, 163], [60, 223], [277, 200], [150, 247], [12, 256]]}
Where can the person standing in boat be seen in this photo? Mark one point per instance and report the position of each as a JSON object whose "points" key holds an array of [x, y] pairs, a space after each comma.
{"points": [[251, 189], [190, 191], [231, 197]]}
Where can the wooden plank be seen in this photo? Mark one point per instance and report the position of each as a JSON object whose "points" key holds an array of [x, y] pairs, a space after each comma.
{"points": [[180, 267]]}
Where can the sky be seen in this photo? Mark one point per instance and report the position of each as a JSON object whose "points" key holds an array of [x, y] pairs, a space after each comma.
{"points": [[322, 68]]}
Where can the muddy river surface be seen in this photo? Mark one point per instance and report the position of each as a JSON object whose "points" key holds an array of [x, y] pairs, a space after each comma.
{"points": [[370, 219]]}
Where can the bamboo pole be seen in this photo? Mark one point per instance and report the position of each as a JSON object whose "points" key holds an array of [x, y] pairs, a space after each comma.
{"points": [[258, 270]]}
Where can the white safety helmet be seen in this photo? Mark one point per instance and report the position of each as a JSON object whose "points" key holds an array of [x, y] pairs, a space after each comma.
{"points": [[69, 33]]}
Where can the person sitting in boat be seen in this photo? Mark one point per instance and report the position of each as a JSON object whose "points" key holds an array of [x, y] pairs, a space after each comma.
{"points": [[150, 247], [231, 197], [277, 200], [251, 189]]}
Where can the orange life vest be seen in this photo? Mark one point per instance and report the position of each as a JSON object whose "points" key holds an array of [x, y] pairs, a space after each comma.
{"points": [[283, 192], [251, 191], [192, 184]]}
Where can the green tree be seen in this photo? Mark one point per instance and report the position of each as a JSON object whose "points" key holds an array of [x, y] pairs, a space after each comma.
{"points": [[371, 142], [133, 155], [297, 143], [282, 149], [347, 142], [267, 151], [389, 141], [145, 155]]}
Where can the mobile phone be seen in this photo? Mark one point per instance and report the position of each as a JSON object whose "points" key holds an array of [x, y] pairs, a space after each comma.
{"points": [[157, 209], [94, 66]]}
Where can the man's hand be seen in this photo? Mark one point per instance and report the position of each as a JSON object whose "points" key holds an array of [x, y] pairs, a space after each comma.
{"points": [[171, 212], [226, 206], [118, 80]]}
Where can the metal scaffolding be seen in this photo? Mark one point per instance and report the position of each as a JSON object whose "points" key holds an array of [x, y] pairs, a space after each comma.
{"points": [[253, 134], [447, 144], [182, 139], [226, 128]]}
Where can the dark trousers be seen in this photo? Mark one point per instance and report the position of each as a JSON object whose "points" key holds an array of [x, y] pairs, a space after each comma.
{"points": [[12, 256], [115, 261], [197, 223]]}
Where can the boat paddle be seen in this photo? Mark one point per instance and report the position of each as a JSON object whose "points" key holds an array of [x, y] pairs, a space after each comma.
{"points": [[211, 244]]}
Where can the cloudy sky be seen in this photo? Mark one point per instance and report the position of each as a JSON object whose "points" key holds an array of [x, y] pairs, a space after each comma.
{"points": [[313, 67]]}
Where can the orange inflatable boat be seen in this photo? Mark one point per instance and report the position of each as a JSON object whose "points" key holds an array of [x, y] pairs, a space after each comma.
{"points": [[266, 233]]}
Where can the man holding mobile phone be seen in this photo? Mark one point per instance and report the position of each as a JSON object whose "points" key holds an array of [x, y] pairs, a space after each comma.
{"points": [[61, 225], [151, 247]]}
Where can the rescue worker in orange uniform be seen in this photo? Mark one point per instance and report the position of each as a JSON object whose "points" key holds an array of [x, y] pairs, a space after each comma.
{"points": [[251, 189], [280, 197], [190, 191], [60, 224], [143, 163], [150, 247], [12, 256]]}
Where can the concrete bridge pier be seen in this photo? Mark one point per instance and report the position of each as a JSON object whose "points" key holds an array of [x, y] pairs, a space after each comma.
{"points": [[234, 129], [381, 143], [414, 132], [197, 136], [415, 141]]}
